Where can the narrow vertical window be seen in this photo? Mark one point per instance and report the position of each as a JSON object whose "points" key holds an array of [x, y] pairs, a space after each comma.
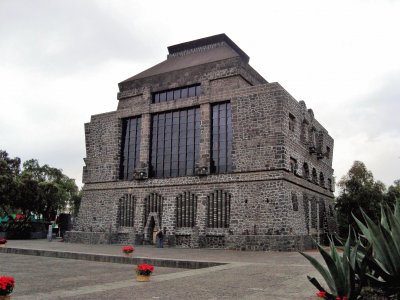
{"points": [[130, 147], [292, 122], [321, 179], [314, 176], [293, 165], [221, 140], [295, 202], [306, 171], [328, 152]]}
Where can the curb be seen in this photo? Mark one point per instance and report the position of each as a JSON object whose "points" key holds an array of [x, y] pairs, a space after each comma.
{"points": [[159, 262]]}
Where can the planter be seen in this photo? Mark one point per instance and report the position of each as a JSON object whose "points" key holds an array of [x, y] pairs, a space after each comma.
{"points": [[2, 246], [8, 297], [128, 254], [142, 278]]}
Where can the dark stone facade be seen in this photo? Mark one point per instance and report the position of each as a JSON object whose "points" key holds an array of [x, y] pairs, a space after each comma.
{"points": [[279, 193]]}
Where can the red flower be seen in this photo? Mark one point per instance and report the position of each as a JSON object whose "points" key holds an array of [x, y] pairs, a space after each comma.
{"points": [[128, 249], [321, 294], [341, 298], [144, 269], [6, 285], [3, 241]]}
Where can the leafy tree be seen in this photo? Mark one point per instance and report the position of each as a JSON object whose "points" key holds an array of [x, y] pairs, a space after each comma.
{"points": [[393, 193], [358, 189], [45, 190], [75, 203], [9, 171]]}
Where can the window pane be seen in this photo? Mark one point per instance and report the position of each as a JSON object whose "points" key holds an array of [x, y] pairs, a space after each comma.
{"points": [[170, 95], [198, 90], [184, 93], [192, 91], [163, 97], [177, 94]]}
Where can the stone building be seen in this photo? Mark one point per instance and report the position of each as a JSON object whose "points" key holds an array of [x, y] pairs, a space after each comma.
{"points": [[204, 147]]}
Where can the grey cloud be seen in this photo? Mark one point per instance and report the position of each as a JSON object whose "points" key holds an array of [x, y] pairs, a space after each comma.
{"points": [[374, 114], [380, 111], [64, 36]]}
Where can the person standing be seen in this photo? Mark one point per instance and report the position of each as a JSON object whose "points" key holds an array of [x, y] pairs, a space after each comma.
{"points": [[160, 239]]}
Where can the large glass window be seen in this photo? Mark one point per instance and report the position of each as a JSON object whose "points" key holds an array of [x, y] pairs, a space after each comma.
{"points": [[221, 144], [177, 93], [130, 147], [175, 145]]}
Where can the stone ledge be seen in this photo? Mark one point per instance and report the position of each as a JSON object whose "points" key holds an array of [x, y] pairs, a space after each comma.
{"points": [[168, 263]]}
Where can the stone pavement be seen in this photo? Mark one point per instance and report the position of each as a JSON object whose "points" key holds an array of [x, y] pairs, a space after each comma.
{"points": [[232, 275]]}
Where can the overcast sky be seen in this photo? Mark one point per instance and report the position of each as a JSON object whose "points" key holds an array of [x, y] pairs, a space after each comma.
{"points": [[61, 61]]}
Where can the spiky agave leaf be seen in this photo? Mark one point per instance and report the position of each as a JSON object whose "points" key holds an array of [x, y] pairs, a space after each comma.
{"points": [[373, 233], [384, 263], [323, 271], [395, 231]]}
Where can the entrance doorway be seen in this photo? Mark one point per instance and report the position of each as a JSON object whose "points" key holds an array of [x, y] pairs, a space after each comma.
{"points": [[152, 226]]}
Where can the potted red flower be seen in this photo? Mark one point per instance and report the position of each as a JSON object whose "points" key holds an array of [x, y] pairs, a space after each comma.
{"points": [[3, 243], [127, 250], [143, 272], [6, 287]]}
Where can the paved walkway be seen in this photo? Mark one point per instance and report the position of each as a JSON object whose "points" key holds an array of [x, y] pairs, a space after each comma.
{"points": [[239, 275]]}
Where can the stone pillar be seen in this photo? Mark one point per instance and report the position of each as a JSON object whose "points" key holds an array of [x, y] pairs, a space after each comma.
{"points": [[145, 144], [309, 218], [194, 238], [203, 165], [318, 232], [201, 220], [139, 219]]}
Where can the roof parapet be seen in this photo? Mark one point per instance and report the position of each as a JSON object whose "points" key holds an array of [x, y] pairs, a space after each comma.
{"points": [[174, 50]]}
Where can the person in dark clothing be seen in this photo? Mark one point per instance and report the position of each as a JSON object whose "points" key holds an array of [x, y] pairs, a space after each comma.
{"points": [[160, 239]]}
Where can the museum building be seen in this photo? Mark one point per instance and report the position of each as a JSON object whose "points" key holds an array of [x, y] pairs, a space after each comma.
{"points": [[204, 147]]}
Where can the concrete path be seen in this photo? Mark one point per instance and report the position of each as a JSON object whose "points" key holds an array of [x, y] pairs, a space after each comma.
{"points": [[235, 274]]}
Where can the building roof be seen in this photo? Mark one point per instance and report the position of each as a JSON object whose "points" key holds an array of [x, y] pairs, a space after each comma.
{"points": [[193, 53]]}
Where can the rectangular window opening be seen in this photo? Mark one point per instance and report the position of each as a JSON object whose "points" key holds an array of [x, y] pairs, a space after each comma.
{"points": [[175, 146], [221, 139], [177, 93], [130, 147]]}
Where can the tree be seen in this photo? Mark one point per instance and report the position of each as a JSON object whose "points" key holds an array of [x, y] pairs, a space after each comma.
{"points": [[45, 190], [9, 172], [358, 189], [393, 193]]}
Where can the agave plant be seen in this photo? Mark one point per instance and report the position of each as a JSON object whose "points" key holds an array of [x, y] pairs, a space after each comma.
{"points": [[384, 239], [340, 273]]}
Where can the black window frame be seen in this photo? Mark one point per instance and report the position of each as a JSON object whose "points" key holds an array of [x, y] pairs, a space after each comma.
{"points": [[130, 137]]}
